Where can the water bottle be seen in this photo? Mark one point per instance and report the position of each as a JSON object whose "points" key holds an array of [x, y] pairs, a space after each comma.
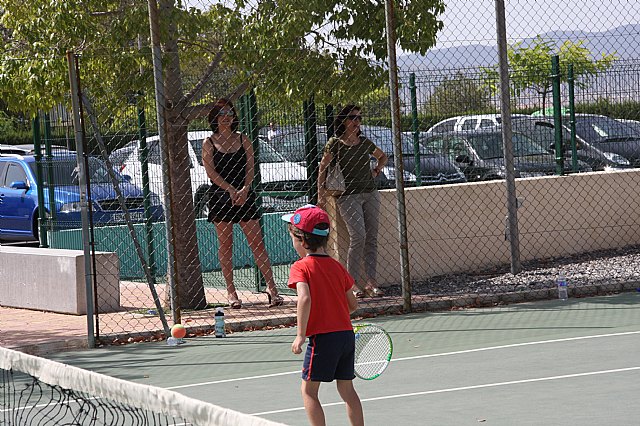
{"points": [[562, 287], [172, 341], [219, 327]]}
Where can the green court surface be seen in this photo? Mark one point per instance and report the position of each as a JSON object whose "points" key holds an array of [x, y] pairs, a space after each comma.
{"points": [[544, 363]]}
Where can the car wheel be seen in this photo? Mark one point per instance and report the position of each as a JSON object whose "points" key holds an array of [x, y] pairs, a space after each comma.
{"points": [[202, 202]]}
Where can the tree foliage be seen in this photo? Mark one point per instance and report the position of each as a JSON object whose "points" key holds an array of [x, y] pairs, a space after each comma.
{"points": [[457, 95], [285, 48], [530, 65]]}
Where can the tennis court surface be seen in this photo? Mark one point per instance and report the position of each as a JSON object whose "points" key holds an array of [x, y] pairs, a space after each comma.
{"points": [[542, 363]]}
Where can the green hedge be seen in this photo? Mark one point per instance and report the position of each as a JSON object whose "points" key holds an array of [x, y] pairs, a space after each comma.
{"points": [[629, 110], [16, 138], [11, 136]]}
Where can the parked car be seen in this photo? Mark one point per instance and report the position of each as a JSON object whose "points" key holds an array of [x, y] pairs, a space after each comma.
{"points": [[12, 149], [610, 135], [542, 129], [480, 155], [291, 144], [29, 149], [634, 124], [120, 155], [276, 173], [468, 122], [435, 167], [19, 196]]}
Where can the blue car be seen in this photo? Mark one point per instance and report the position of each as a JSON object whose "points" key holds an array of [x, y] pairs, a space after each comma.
{"points": [[19, 196]]}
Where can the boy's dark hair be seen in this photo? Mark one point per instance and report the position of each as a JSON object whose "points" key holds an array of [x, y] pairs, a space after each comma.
{"points": [[311, 242]]}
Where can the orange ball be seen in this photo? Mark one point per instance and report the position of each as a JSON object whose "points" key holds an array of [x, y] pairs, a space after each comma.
{"points": [[178, 331]]}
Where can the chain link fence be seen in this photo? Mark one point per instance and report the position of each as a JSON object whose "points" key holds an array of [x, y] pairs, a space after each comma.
{"points": [[189, 191]]}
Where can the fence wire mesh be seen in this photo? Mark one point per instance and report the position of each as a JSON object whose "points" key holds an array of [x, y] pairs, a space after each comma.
{"points": [[202, 185]]}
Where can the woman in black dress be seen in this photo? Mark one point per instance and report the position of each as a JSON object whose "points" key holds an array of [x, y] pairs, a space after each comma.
{"points": [[228, 159]]}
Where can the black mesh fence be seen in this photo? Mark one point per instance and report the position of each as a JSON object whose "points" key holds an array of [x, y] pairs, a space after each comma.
{"points": [[193, 158]]}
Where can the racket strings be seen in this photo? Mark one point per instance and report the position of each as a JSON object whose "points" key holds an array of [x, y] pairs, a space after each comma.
{"points": [[373, 351]]}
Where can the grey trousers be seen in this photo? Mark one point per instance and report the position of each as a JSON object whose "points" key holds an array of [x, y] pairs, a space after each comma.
{"points": [[360, 213]]}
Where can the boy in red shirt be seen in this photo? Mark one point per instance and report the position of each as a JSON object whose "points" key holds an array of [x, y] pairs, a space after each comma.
{"points": [[325, 302]]}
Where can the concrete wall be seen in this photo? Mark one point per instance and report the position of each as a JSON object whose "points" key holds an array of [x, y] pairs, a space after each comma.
{"points": [[54, 280], [455, 228]]}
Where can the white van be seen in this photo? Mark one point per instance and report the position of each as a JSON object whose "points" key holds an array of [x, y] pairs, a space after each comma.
{"points": [[468, 122], [277, 174]]}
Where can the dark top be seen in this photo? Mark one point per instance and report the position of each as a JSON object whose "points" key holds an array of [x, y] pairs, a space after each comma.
{"points": [[355, 162], [232, 167]]}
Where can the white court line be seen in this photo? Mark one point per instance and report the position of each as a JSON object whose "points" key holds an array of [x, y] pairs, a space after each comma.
{"points": [[515, 345], [488, 385], [489, 348]]}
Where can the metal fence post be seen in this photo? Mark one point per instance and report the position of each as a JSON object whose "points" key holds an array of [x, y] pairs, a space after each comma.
{"points": [[572, 118], [311, 148], [146, 193], [397, 150], [505, 112], [557, 114], [414, 127], [41, 225], [329, 117], [82, 178]]}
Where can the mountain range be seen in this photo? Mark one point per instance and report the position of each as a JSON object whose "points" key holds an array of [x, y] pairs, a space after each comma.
{"points": [[621, 41]]}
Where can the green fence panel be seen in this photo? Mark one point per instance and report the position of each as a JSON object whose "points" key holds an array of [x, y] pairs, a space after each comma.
{"points": [[117, 239]]}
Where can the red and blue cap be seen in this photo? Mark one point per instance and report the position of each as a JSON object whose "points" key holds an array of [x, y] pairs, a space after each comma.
{"points": [[306, 218]]}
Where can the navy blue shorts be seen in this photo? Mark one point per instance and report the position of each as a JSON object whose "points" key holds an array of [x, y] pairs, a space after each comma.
{"points": [[329, 357]]}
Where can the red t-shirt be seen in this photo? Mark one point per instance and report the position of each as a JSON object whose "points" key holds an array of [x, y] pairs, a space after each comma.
{"points": [[328, 283]]}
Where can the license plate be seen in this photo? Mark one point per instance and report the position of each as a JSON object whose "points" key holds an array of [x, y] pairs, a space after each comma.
{"points": [[120, 217]]}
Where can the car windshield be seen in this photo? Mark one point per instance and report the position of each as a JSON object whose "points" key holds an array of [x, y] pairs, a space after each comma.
{"points": [[289, 145], [65, 171], [267, 153], [384, 140], [604, 129], [540, 131], [489, 145]]}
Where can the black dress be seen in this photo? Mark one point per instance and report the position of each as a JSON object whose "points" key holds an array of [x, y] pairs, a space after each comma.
{"points": [[232, 167]]}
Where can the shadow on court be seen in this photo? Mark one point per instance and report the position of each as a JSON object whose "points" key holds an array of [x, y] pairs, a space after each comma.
{"points": [[535, 363]]}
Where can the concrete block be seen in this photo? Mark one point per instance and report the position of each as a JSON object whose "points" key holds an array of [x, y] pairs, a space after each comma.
{"points": [[54, 280]]}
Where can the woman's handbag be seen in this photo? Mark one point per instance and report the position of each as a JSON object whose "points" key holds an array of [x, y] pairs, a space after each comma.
{"points": [[334, 183]]}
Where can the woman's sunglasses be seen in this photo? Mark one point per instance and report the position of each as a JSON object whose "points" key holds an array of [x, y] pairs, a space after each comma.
{"points": [[227, 112]]}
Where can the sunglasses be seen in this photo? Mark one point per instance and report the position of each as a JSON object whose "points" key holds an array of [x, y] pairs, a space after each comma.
{"points": [[228, 113], [354, 117]]}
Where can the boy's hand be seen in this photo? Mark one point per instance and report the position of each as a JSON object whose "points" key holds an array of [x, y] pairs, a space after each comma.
{"points": [[296, 346]]}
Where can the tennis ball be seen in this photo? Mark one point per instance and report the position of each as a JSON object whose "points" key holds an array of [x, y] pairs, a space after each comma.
{"points": [[178, 331]]}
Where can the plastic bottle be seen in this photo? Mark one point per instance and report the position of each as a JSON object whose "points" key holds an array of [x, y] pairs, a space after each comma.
{"points": [[562, 287], [219, 327], [172, 341]]}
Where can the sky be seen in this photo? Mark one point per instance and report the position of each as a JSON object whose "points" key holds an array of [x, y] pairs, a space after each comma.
{"points": [[474, 22]]}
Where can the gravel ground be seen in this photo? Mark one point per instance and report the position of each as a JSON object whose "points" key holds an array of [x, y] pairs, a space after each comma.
{"points": [[608, 269]]}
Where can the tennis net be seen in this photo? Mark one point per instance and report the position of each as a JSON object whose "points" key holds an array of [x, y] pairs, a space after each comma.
{"points": [[37, 391]]}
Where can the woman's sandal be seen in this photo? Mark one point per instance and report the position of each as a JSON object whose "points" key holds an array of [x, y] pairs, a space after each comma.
{"points": [[235, 304], [274, 301], [375, 292]]}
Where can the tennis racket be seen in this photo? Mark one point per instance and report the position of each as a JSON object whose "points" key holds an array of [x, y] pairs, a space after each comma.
{"points": [[373, 351]]}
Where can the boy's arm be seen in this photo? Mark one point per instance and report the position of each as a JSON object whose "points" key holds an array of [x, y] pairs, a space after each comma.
{"points": [[303, 311], [351, 301]]}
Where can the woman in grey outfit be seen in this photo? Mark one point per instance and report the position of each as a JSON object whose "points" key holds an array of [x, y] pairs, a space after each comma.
{"points": [[359, 204]]}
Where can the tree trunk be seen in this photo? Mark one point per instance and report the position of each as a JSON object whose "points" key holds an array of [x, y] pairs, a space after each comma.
{"points": [[188, 269]]}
